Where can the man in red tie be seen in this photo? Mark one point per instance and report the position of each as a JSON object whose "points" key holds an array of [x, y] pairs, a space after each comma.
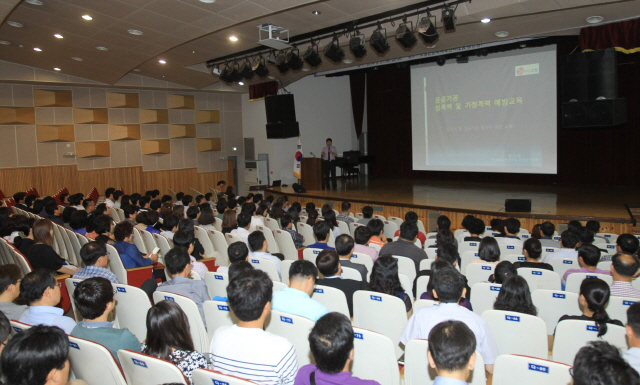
{"points": [[329, 154]]}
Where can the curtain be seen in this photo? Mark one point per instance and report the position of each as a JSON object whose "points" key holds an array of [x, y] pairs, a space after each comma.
{"points": [[357, 83], [262, 90], [624, 36]]}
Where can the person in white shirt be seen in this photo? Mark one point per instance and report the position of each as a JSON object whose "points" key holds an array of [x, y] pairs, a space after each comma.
{"points": [[259, 248], [569, 240], [632, 356], [511, 230], [246, 350], [449, 287], [108, 195], [250, 209], [244, 223]]}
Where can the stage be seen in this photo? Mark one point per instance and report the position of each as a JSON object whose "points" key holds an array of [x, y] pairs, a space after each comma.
{"points": [[558, 204]]}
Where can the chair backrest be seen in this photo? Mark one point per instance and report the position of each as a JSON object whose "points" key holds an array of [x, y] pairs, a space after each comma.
{"points": [[217, 314], [307, 232], [610, 236], [540, 278], [425, 264], [421, 284], [468, 246], [553, 304], [139, 241], [74, 258], [390, 229], [278, 285], [406, 267], [506, 249], [374, 357], [218, 240], [332, 239], [148, 240], [420, 303], [466, 258], [271, 241], [421, 226], [574, 280], [354, 225], [561, 265], [232, 238], [513, 258], [59, 245], [116, 265], [547, 250], [478, 272], [483, 295], [571, 335], [196, 324], [18, 327], [332, 298], [518, 333], [265, 265], [272, 224], [216, 283], [286, 245], [73, 239], [604, 265], [285, 266], [609, 249], [163, 243], [376, 216], [618, 306], [294, 328], [94, 363], [396, 220], [203, 237], [71, 284], [351, 273], [132, 305], [344, 227], [417, 370], [407, 285], [208, 377], [141, 369], [310, 254], [365, 260], [382, 313], [522, 370]]}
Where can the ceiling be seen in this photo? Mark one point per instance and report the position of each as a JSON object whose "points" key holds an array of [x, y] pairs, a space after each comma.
{"points": [[187, 33]]}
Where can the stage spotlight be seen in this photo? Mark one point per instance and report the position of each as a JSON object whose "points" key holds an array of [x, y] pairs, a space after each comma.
{"points": [[260, 67], [405, 35], [333, 51], [293, 58], [449, 20], [246, 70], [235, 73], [225, 75], [358, 46], [281, 63], [427, 31], [311, 56], [379, 41], [441, 60]]}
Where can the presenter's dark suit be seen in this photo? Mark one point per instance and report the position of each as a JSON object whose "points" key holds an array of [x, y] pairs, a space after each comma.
{"points": [[347, 286], [329, 166]]}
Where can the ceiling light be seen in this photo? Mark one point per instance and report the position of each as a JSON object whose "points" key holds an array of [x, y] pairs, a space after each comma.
{"points": [[502, 33], [15, 24], [59, 36], [305, 69], [87, 17], [77, 58], [162, 61], [233, 38], [208, 1], [347, 61], [101, 48], [358, 46], [427, 30], [56, 69], [241, 83], [333, 51], [272, 77], [594, 19], [137, 69], [4, 42], [316, 12], [193, 51], [34, 2], [135, 32], [405, 35], [37, 49], [378, 40], [485, 20]]}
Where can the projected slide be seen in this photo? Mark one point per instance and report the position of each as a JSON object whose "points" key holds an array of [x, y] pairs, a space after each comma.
{"points": [[493, 114]]}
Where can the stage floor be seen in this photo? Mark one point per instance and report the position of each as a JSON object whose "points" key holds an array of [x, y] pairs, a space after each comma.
{"points": [[606, 204]]}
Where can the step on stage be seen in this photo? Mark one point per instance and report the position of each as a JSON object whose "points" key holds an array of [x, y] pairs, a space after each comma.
{"points": [[558, 204]]}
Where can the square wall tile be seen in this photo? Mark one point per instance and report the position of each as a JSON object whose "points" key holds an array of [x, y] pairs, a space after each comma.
{"points": [[203, 161], [22, 96], [149, 163], [131, 115], [213, 101], [63, 115], [8, 147], [175, 117], [190, 160], [146, 99], [45, 115], [148, 131], [188, 117], [177, 152], [85, 163], [83, 133], [162, 131], [232, 102], [98, 98], [6, 95], [116, 115], [26, 146], [164, 161], [47, 154], [202, 131], [118, 153], [100, 131], [104, 162], [160, 100], [81, 97], [200, 101], [134, 153]]}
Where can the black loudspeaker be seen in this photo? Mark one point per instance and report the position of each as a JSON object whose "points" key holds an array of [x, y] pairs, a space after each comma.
{"points": [[517, 205], [589, 75], [595, 113], [298, 188], [281, 117]]}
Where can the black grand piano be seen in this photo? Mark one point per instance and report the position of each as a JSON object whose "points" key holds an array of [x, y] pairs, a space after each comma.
{"points": [[350, 160]]}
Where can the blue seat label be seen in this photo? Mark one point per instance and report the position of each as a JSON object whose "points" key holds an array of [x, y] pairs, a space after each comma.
{"points": [[592, 328], [513, 318], [486, 267], [286, 319], [539, 368], [473, 244], [376, 298], [72, 345], [139, 362], [358, 336], [216, 382], [122, 289], [628, 303], [316, 290], [522, 259], [567, 262], [255, 261], [219, 277], [169, 298], [223, 307], [558, 295], [534, 272], [494, 288], [509, 247], [550, 250]]}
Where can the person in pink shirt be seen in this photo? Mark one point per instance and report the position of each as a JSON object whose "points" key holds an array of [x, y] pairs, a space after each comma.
{"points": [[362, 234], [588, 258]]}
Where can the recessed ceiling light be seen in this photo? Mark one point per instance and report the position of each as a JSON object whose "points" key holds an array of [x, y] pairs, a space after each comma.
{"points": [[241, 83], [502, 33], [87, 17], [101, 48], [594, 19], [305, 69], [34, 2], [4, 42], [56, 69], [162, 61], [137, 69], [59, 36], [37, 49], [316, 12], [135, 32], [77, 58], [15, 24], [271, 77], [485, 20], [233, 38], [347, 61], [208, 1], [432, 46]]}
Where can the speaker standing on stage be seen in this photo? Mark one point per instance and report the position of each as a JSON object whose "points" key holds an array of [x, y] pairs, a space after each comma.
{"points": [[329, 154]]}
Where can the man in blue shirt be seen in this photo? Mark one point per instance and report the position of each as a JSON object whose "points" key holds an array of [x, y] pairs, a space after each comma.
{"points": [[321, 232], [96, 258], [41, 291], [452, 347], [296, 299]]}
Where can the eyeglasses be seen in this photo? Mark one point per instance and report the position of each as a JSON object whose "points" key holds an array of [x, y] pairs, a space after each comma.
{"points": [[571, 372]]}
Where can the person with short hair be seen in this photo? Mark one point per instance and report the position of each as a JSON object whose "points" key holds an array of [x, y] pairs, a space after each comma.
{"points": [[344, 214], [594, 227], [178, 263], [632, 356], [95, 300], [548, 230], [42, 292], [448, 287], [532, 250], [588, 258], [78, 222], [321, 232], [476, 228], [89, 205], [287, 225], [52, 213], [244, 224], [376, 226], [511, 230], [451, 353], [601, 363], [569, 240], [170, 226], [96, 260], [19, 198], [412, 216], [236, 252], [405, 245], [259, 248], [108, 196], [130, 213], [129, 254], [10, 277], [624, 268], [344, 248], [331, 343], [193, 213], [625, 244], [328, 263], [367, 214], [245, 349], [296, 299], [362, 235], [329, 154]]}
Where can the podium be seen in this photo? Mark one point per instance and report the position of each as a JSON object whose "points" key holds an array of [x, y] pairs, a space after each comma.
{"points": [[311, 169]]}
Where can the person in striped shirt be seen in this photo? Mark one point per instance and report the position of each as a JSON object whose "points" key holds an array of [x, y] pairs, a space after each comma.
{"points": [[624, 268], [246, 350]]}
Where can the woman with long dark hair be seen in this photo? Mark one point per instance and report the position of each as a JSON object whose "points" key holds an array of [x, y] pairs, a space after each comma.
{"points": [[385, 279], [488, 251], [42, 255], [515, 296], [169, 338], [330, 218], [229, 221], [594, 295]]}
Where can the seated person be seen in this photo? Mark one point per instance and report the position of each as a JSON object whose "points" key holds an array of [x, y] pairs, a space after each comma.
{"points": [[296, 299], [235, 269], [367, 214], [625, 244], [100, 229], [515, 296], [259, 248], [447, 256], [237, 251], [448, 287], [503, 270], [206, 219], [532, 250], [287, 225], [376, 226], [444, 223], [42, 255], [547, 230], [624, 268], [594, 227], [443, 236], [588, 258], [632, 356], [411, 216], [170, 226], [95, 300], [66, 216], [488, 252], [329, 266], [385, 279], [96, 259], [511, 230], [179, 266], [344, 248], [246, 350], [10, 277], [476, 228], [244, 223], [89, 205], [405, 245], [331, 343], [229, 221], [193, 213], [78, 222], [451, 352], [600, 363], [569, 240], [185, 239], [361, 236], [129, 253], [153, 222], [321, 232], [41, 291], [130, 214], [52, 213]]}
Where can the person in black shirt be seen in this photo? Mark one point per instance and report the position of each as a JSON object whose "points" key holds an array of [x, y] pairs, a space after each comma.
{"points": [[476, 228], [532, 249], [41, 255]]}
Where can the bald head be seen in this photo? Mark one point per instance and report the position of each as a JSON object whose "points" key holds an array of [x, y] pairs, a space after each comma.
{"points": [[624, 266]]}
